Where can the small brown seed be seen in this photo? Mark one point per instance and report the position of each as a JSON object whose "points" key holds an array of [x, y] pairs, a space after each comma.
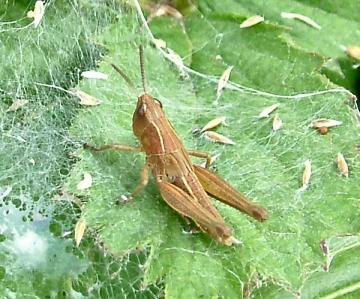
{"points": [[277, 123], [213, 123], [79, 231], [251, 21], [324, 122], [342, 165], [223, 80], [306, 175], [17, 104], [85, 99], [268, 110], [94, 75], [216, 137], [323, 130], [305, 19], [353, 52]]}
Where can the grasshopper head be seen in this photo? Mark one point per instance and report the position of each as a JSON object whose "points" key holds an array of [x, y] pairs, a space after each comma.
{"points": [[148, 111]]}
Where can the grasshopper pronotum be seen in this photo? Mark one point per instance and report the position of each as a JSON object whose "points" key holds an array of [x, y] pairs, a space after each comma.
{"points": [[184, 186]]}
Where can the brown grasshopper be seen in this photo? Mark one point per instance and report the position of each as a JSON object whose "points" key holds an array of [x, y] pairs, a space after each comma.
{"points": [[184, 186]]}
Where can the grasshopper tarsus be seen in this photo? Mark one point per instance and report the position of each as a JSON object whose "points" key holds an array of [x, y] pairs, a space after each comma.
{"points": [[124, 199], [87, 146], [259, 213]]}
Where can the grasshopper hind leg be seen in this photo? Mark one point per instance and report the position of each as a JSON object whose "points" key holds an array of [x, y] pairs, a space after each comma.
{"points": [[218, 188], [186, 206]]}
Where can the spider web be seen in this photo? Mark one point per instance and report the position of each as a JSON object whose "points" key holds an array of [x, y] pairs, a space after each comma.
{"points": [[139, 249], [38, 258]]}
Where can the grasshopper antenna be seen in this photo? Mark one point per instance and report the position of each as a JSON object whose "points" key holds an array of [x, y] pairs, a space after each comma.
{"points": [[126, 78], [142, 68]]}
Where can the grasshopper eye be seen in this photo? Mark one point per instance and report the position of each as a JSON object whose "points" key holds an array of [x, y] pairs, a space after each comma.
{"points": [[157, 101], [142, 109]]}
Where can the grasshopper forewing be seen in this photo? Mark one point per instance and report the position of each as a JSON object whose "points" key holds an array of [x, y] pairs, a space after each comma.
{"points": [[185, 187]]}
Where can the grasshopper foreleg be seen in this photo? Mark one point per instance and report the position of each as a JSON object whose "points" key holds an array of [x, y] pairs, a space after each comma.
{"points": [[144, 179], [125, 148], [116, 147]]}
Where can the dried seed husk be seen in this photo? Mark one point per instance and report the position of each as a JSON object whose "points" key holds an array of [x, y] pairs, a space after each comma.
{"points": [[305, 19], [85, 183], [353, 52], [79, 231], [306, 174], [37, 14], [277, 123], [213, 123], [266, 112], [324, 123], [85, 99], [17, 104], [216, 137], [252, 21], [223, 80], [342, 165], [94, 75]]}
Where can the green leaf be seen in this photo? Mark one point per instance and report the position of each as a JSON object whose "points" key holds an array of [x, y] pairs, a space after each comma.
{"points": [[141, 250], [282, 255]]}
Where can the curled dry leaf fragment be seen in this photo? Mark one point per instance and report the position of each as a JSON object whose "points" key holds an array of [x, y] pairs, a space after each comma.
{"points": [[216, 137], [252, 21], [342, 165], [213, 123], [17, 104], [277, 123], [324, 123], [305, 19], [353, 52], [306, 175], [85, 183], [223, 80], [79, 231], [37, 14], [94, 75], [266, 112], [85, 99]]}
